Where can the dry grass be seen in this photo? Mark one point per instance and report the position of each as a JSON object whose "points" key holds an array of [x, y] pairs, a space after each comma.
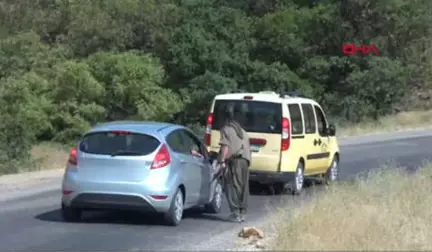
{"points": [[401, 121], [390, 211], [48, 156]]}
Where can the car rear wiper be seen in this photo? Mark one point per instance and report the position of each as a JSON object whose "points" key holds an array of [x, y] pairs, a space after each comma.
{"points": [[126, 152]]}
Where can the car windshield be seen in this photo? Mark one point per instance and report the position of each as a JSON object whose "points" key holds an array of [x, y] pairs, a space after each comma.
{"points": [[254, 116], [118, 144]]}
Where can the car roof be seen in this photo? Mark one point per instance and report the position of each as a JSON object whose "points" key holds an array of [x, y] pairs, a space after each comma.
{"points": [[266, 97], [135, 126]]}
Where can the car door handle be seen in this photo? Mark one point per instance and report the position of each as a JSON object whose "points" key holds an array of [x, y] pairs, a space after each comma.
{"points": [[317, 142], [182, 161]]}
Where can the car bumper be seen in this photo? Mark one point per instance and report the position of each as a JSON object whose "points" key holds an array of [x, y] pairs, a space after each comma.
{"points": [[271, 177], [113, 195]]}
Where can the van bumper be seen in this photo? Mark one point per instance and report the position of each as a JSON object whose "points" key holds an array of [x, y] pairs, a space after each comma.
{"points": [[271, 177]]}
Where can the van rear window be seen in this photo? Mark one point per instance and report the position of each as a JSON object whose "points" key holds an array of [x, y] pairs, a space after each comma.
{"points": [[118, 143], [254, 116]]}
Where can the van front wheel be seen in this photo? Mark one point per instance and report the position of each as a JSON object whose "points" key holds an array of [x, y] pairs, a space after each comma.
{"points": [[332, 173]]}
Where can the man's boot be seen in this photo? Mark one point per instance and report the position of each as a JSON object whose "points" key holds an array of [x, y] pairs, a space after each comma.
{"points": [[242, 215], [235, 217]]}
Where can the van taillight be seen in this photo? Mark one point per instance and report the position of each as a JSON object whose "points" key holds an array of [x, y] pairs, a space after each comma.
{"points": [[162, 158], [207, 137], [285, 134], [73, 157]]}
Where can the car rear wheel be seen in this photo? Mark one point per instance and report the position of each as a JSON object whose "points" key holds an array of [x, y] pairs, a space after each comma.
{"points": [[70, 214], [298, 180], [332, 173], [175, 214], [216, 204]]}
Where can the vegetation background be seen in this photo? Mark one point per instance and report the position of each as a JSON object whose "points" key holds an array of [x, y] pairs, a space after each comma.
{"points": [[68, 64]]}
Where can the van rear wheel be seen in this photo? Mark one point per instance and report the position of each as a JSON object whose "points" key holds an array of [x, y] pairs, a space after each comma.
{"points": [[299, 179]]}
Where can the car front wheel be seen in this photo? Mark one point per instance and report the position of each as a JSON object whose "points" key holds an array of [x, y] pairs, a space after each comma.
{"points": [[216, 204]]}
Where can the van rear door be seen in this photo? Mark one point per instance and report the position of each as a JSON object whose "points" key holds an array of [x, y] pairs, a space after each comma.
{"points": [[262, 121]]}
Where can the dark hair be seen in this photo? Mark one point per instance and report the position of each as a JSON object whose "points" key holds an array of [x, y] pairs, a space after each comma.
{"points": [[229, 112]]}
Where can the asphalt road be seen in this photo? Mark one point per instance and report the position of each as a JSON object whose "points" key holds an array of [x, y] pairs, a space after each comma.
{"points": [[34, 223]]}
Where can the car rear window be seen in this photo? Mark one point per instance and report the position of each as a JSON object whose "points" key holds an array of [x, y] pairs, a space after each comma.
{"points": [[254, 116], [115, 143]]}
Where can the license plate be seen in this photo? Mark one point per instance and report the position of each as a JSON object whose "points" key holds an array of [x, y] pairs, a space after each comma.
{"points": [[255, 148]]}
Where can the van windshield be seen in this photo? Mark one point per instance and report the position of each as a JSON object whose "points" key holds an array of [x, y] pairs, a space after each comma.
{"points": [[115, 144], [254, 116]]}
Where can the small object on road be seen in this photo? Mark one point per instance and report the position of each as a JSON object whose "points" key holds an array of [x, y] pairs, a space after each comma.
{"points": [[259, 245], [247, 232]]}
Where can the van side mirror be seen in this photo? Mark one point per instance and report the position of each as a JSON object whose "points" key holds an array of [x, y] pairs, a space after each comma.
{"points": [[331, 130]]}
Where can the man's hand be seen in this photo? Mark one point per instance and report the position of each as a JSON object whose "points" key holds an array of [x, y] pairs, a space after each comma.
{"points": [[223, 165]]}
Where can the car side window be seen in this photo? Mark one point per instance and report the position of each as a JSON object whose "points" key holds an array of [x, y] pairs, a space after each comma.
{"points": [[322, 124], [296, 119], [309, 118], [176, 142], [192, 143]]}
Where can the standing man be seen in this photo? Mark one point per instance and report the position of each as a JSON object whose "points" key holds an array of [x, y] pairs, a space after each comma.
{"points": [[235, 158]]}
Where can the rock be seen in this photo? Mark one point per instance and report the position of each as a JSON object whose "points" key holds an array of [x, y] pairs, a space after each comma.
{"points": [[247, 232], [259, 245]]}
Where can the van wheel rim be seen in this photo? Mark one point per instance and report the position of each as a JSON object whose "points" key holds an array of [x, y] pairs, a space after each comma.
{"points": [[299, 179], [218, 195], [334, 171], [178, 206]]}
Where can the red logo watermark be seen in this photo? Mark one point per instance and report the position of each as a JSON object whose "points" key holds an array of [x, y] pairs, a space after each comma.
{"points": [[351, 49]]}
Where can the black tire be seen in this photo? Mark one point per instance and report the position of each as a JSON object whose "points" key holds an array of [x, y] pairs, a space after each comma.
{"points": [[298, 183], [332, 173], [216, 204], [70, 214], [175, 213]]}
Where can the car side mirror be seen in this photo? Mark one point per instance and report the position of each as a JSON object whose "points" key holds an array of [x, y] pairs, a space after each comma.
{"points": [[331, 130]]}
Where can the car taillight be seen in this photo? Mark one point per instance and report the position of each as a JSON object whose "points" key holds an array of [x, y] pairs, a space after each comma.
{"points": [[207, 136], [73, 157], [285, 134], [162, 158]]}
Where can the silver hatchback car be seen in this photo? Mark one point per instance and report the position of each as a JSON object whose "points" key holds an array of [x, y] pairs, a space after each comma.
{"points": [[144, 166]]}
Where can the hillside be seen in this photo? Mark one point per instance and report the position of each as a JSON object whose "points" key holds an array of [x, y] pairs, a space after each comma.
{"points": [[67, 64]]}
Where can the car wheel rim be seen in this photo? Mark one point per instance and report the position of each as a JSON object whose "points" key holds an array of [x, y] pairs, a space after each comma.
{"points": [[218, 195], [299, 179], [334, 171], [178, 206]]}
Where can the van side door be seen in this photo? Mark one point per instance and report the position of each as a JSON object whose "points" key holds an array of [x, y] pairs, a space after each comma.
{"points": [[311, 146], [324, 140], [299, 143]]}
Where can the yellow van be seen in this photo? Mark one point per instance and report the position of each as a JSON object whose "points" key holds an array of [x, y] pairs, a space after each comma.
{"points": [[290, 137]]}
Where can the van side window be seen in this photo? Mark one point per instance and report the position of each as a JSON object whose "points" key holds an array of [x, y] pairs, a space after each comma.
{"points": [[296, 119], [309, 118], [322, 124]]}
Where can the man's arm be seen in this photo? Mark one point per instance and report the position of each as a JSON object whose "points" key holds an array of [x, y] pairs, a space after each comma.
{"points": [[223, 142]]}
